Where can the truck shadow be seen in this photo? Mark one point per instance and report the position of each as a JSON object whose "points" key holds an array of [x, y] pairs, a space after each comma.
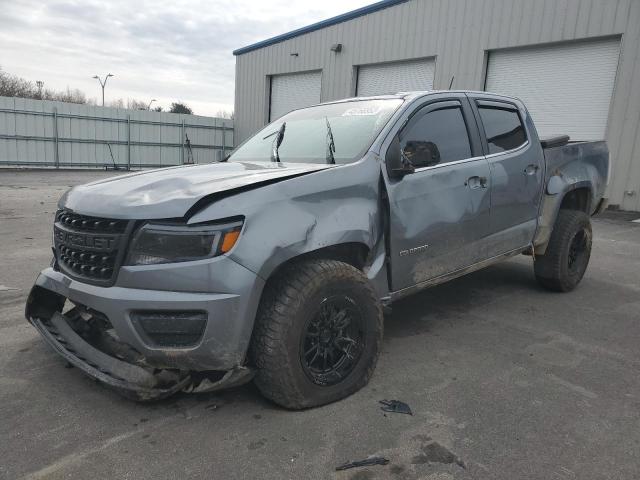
{"points": [[459, 298], [423, 313]]}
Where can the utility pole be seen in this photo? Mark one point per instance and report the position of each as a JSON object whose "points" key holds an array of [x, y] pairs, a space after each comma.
{"points": [[149, 106], [39, 84], [103, 83]]}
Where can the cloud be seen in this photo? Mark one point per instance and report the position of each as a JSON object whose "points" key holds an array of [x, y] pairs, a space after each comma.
{"points": [[168, 50]]}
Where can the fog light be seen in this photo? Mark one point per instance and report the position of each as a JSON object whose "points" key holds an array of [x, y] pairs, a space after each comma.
{"points": [[162, 328]]}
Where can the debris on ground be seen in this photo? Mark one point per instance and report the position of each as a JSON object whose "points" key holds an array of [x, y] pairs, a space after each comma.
{"points": [[433, 452], [395, 406], [367, 462]]}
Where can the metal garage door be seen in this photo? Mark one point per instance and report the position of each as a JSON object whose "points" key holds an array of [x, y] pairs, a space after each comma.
{"points": [[567, 88], [289, 92], [386, 78]]}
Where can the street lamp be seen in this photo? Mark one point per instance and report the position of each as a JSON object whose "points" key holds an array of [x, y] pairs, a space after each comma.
{"points": [[102, 84], [149, 106]]}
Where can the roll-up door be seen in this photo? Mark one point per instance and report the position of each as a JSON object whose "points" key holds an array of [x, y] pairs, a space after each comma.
{"points": [[567, 88], [389, 78], [292, 91]]}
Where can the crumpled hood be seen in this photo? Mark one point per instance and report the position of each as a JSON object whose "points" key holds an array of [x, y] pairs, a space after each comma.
{"points": [[170, 192]]}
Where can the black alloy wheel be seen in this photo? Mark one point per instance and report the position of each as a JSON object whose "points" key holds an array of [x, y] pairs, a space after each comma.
{"points": [[333, 341]]}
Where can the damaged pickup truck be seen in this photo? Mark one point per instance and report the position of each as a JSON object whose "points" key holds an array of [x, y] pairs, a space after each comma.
{"points": [[275, 264]]}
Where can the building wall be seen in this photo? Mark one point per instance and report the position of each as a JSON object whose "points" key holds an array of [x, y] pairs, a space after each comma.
{"points": [[459, 34], [44, 133]]}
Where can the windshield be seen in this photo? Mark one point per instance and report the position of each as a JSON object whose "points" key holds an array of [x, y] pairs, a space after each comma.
{"points": [[308, 132]]}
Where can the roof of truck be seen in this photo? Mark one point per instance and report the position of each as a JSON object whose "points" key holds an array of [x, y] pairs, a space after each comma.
{"points": [[415, 94]]}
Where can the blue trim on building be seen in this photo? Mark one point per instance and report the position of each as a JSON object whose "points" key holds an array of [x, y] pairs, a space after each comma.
{"points": [[324, 23]]}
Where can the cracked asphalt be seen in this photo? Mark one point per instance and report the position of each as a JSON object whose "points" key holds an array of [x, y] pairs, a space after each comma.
{"points": [[505, 381]]}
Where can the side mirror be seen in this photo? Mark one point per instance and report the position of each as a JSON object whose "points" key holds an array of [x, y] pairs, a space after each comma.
{"points": [[421, 154], [398, 165]]}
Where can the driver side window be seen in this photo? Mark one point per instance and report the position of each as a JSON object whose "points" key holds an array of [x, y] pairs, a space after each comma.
{"points": [[439, 136]]}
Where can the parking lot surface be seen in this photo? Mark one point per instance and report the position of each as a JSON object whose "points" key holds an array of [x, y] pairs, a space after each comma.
{"points": [[505, 381]]}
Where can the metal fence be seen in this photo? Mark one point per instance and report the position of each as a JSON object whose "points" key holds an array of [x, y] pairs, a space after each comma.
{"points": [[57, 134]]}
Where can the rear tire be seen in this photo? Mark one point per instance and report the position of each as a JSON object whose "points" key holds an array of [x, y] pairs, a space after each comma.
{"points": [[563, 265], [317, 335]]}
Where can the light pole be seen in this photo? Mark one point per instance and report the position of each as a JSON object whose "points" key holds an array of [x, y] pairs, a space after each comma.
{"points": [[102, 84], [149, 106]]}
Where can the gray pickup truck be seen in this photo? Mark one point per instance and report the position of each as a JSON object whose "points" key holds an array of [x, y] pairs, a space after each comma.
{"points": [[275, 264]]}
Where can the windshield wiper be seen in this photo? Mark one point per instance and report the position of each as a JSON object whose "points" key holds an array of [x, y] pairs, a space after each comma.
{"points": [[271, 134], [331, 145], [275, 156]]}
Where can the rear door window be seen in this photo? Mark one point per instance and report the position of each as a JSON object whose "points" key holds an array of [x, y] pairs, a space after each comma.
{"points": [[503, 128]]}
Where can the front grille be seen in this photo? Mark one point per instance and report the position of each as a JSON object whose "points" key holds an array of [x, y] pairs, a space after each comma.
{"points": [[90, 248], [90, 224], [83, 262]]}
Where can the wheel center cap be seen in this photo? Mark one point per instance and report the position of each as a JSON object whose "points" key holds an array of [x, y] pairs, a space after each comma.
{"points": [[325, 336]]}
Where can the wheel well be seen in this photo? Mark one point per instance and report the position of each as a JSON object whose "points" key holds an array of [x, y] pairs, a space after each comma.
{"points": [[578, 199], [354, 254]]}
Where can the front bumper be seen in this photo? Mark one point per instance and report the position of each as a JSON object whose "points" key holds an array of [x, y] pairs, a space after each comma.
{"points": [[226, 291], [131, 380]]}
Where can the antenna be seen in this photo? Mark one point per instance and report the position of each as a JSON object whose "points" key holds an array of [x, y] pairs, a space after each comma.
{"points": [[451, 83]]}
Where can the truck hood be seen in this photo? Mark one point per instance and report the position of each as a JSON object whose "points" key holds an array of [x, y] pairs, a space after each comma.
{"points": [[171, 192]]}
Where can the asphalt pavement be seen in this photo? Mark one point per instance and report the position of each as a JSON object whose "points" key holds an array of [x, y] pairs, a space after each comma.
{"points": [[505, 381]]}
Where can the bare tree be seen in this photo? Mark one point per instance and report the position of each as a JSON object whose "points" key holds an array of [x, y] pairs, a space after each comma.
{"points": [[14, 86], [118, 103], [133, 104], [224, 114], [130, 104], [68, 96]]}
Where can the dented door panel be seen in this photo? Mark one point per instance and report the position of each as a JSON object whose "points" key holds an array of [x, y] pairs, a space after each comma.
{"points": [[438, 221]]}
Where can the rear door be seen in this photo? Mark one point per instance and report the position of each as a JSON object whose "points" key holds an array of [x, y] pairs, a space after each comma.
{"points": [[516, 163], [439, 214]]}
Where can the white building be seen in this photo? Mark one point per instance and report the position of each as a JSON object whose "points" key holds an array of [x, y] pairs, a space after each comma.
{"points": [[576, 64]]}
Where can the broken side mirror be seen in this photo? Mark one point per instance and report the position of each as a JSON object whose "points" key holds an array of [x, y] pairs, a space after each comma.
{"points": [[398, 165], [421, 153]]}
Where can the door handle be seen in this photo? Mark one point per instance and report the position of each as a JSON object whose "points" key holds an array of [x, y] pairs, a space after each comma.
{"points": [[476, 182], [531, 169]]}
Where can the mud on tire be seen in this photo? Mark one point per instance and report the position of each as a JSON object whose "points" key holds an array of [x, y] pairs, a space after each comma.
{"points": [[563, 265], [317, 335]]}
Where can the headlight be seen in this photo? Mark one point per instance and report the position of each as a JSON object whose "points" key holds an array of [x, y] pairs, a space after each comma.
{"points": [[158, 243]]}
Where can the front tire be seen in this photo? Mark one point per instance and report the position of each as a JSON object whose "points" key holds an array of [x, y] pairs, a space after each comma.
{"points": [[563, 265], [317, 335]]}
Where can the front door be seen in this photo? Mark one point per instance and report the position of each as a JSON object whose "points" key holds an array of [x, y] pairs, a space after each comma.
{"points": [[439, 214]]}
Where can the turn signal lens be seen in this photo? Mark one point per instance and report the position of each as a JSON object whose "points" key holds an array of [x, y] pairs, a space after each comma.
{"points": [[229, 240]]}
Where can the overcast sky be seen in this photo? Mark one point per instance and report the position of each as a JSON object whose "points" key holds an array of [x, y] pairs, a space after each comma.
{"points": [[168, 50]]}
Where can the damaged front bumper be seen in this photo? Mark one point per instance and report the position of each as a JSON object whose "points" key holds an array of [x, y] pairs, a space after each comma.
{"points": [[94, 329], [128, 379]]}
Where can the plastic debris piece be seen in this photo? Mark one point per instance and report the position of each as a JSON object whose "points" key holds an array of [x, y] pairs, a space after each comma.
{"points": [[367, 462], [395, 406]]}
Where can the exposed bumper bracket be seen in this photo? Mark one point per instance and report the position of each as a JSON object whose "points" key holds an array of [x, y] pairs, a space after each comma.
{"points": [[130, 380], [233, 378], [114, 366]]}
